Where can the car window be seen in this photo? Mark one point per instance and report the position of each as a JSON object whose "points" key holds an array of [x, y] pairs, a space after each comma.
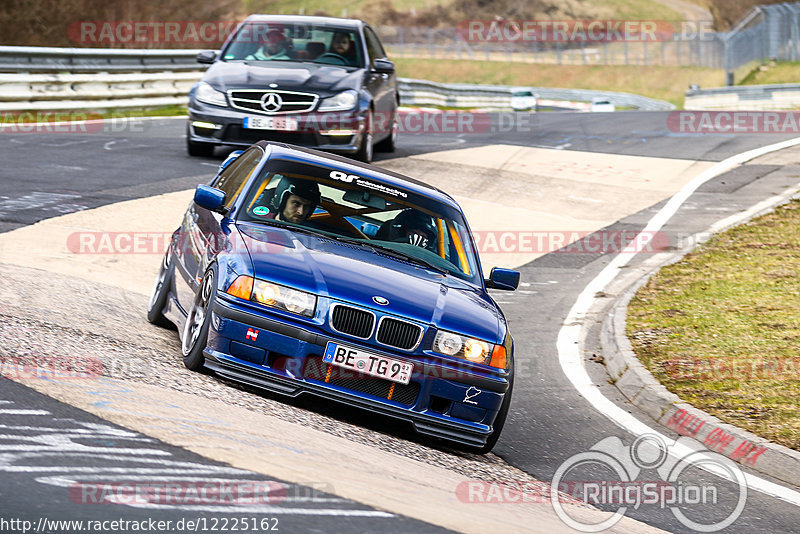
{"points": [[232, 179], [267, 41], [374, 47], [364, 211]]}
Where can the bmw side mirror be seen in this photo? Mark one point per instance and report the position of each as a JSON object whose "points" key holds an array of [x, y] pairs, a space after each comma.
{"points": [[503, 279], [383, 66], [231, 157], [206, 57], [209, 198]]}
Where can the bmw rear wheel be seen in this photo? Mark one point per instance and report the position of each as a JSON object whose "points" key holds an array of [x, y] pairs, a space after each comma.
{"points": [[195, 330]]}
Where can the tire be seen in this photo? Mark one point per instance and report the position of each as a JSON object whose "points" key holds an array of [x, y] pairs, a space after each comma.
{"points": [[160, 294], [390, 143], [195, 329], [365, 150], [197, 149], [499, 422]]}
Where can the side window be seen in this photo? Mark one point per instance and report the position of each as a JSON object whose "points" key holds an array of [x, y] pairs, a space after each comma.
{"points": [[373, 45], [233, 178]]}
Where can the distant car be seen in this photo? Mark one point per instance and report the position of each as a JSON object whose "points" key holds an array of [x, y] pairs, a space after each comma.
{"points": [[601, 105], [523, 99], [312, 81], [376, 299]]}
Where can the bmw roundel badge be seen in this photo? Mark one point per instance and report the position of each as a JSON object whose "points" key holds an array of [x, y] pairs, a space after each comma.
{"points": [[380, 300]]}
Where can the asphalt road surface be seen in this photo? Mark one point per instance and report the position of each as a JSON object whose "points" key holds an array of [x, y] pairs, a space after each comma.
{"points": [[48, 174]]}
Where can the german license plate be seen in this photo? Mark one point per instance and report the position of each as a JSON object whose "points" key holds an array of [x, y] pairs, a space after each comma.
{"points": [[368, 363], [285, 124]]}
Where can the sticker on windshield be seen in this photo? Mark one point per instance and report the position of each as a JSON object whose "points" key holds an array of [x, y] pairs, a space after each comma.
{"points": [[261, 211], [354, 179]]}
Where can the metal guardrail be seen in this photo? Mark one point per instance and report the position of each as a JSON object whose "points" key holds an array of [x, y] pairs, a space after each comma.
{"points": [[423, 92], [745, 97], [35, 78], [74, 60]]}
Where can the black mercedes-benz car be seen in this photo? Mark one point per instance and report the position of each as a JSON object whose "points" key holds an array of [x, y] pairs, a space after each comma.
{"points": [[318, 82]]}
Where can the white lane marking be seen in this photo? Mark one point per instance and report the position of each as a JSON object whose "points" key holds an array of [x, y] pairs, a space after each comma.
{"points": [[66, 143], [274, 510], [586, 199], [69, 167], [5, 401], [209, 164], [35, 200], [569, 336], [79, 469], [24, 412]]}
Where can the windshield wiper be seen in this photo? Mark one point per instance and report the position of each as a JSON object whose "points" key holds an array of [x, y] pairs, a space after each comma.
{"points": [[388, 251]]}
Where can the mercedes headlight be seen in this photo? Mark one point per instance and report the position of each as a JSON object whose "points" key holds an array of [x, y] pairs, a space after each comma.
{"points": [[342, 102], [209, 95]]}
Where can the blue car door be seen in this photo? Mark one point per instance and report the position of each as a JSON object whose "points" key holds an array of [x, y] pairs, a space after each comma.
{"points": [[202, 235]]}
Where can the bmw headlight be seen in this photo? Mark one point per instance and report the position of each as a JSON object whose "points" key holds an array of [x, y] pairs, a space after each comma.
{"points": [[470, 349], [209, 95], [274, 295], [342, 102]]}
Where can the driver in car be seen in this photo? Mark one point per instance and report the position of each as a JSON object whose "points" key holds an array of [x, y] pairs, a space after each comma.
{"points": [[341, 46], [293, 201]]}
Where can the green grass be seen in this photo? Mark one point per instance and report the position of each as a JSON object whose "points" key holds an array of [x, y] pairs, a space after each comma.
{"points": [[632, 10], [721, 329], [596, 9], [10, 117], [334, 8], [780, 72], [663, 83]]}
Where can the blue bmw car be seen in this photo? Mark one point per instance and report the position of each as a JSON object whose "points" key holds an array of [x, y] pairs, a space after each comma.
{"points": [[306, 273]]}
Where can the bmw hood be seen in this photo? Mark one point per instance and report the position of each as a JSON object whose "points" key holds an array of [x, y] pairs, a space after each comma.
{"points": [[349, 273], [289, 76]]}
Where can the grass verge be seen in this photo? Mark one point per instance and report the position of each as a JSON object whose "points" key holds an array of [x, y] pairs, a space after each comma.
{"points": [[775, 72], [15, 117], [663, 83], [721, 328]]}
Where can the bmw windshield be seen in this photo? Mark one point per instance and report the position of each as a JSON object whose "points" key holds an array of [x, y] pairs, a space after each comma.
{"points": [[311, 199]]}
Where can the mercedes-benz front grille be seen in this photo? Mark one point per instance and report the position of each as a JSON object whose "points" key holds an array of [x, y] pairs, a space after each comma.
{"points": [[352, 321], [400, 334], [272, 102]]}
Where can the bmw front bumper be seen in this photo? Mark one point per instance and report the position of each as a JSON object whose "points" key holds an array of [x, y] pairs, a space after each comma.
{"points": [[287, 359]]}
